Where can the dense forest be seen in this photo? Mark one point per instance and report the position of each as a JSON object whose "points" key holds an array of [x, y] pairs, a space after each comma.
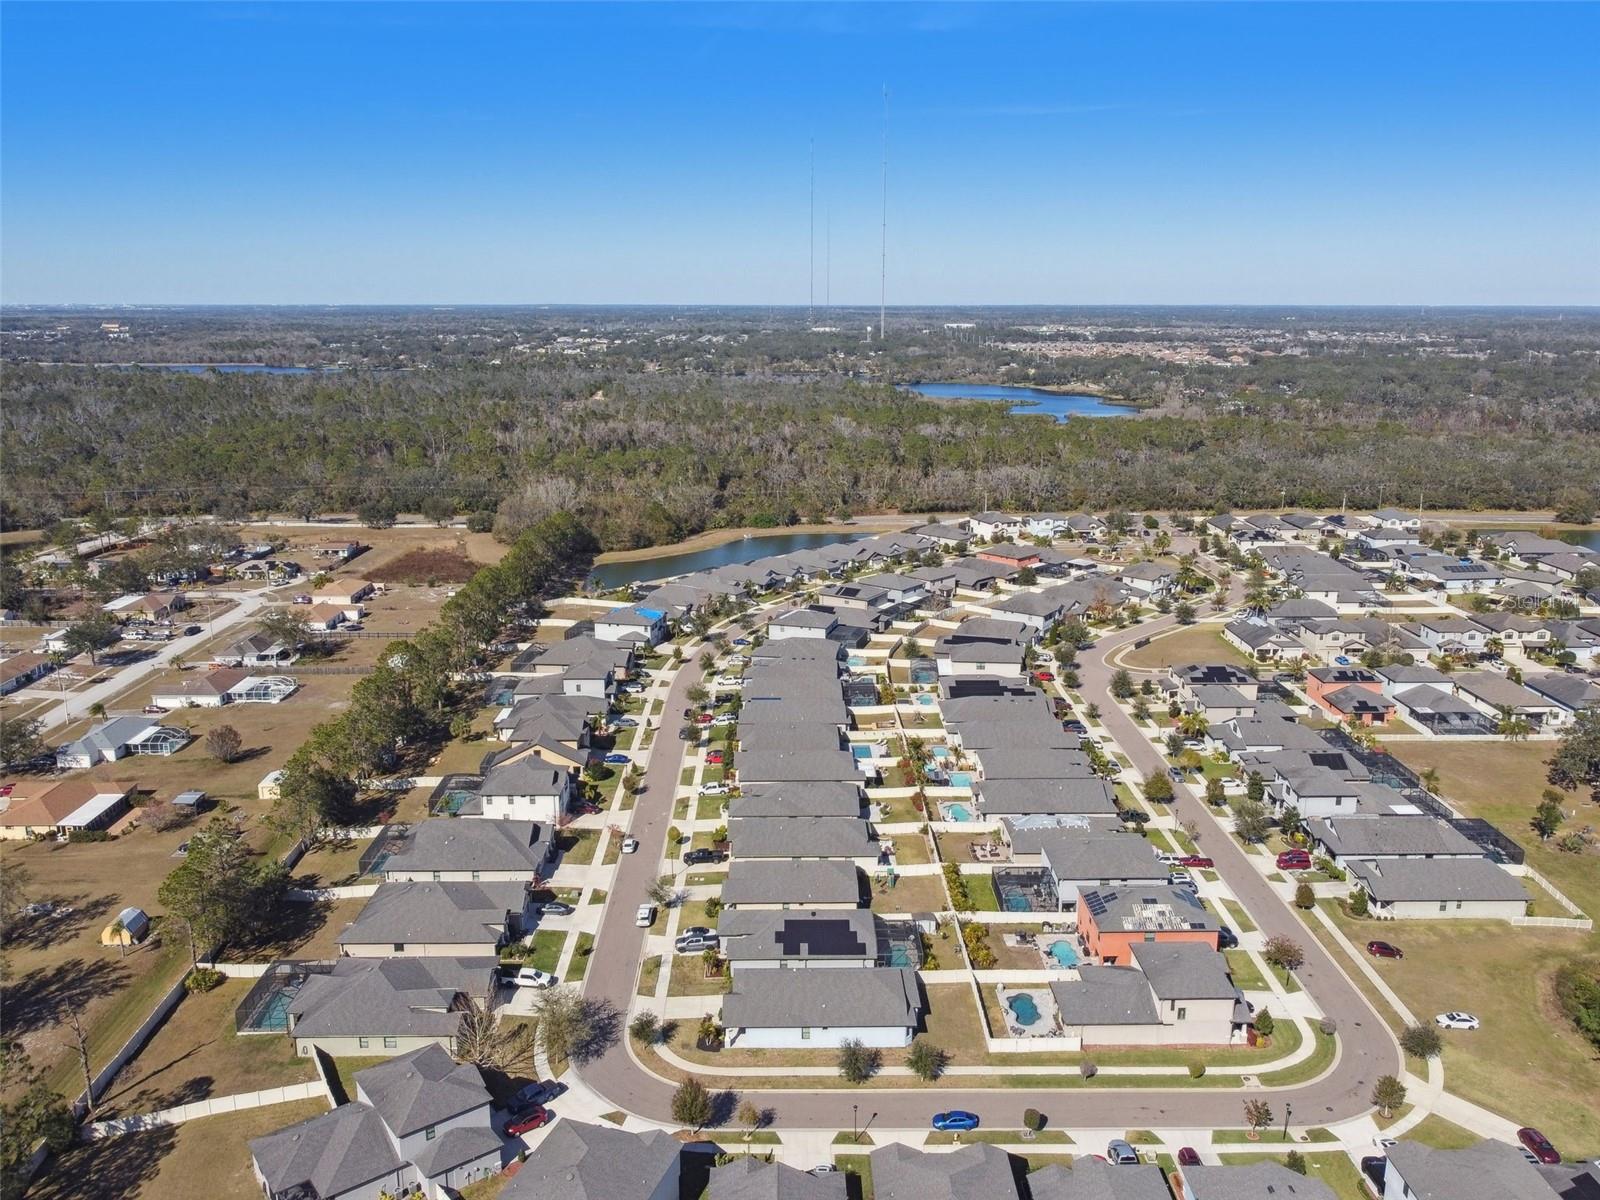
{"points": [[651, 428]]}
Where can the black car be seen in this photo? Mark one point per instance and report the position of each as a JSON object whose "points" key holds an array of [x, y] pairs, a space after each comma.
{"points": [[1226, 938], [695, 858], [1373, 1167]]}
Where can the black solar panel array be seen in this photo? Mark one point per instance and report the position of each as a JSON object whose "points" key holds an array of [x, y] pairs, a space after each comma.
{"points": [[819, 936]]}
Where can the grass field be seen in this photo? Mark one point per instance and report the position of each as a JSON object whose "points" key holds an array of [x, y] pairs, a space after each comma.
{"points": [[1191, 644], [207, 1159]]}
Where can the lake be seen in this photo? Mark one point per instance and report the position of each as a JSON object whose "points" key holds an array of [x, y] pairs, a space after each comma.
{"points": [[742, 550], [1578, 537], [1059, 405]]}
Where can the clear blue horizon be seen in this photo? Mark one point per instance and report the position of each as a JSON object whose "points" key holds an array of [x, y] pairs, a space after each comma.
{"points": [[1346, 154]]}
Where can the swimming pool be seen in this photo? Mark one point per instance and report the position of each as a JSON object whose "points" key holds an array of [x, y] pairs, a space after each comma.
{"points": [[1065, 954], [855, 660], [1023, 1008], [957, 812], [861, 751], [939, 752], [960, 779], [926, 700]]}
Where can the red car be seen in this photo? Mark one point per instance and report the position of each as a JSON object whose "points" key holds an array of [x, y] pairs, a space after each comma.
{"points": [[1044, 676], [529, 1119], [714, 759], [703, 719], [1294, 860], [1188, 1156], [1195, 860], [1539, 1146], [1384, 950]]}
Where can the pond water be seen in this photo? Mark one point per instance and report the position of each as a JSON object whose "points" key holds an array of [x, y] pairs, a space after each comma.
{"points": [[1060, 405], [741, 550]]}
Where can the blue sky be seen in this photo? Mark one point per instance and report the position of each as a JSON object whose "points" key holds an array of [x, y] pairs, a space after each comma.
{"points": [[1438, 153]]}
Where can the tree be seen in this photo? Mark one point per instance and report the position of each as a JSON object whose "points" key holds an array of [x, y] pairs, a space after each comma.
{"points": [[1216, 794], [1257, 1114], [377, 513], [1577, 991], [1284, 953], [1251, 820], [1122, 684], [1291, 822], [214, 891], [1421, 1041], [646, 1027], [92, 635], [438, 509], [1576, 761], [691, 1104], [1158, 788], [1255, 787], [1264, 1024], [1304, 897], [486, 1042], [1388, 1094], [35, 1114], [857, 1061], [1358, 903], [1295, 1161], [1027, 577], [20, 739], [284, 625], [1575, 506], [1548, 816], [662, 891], [926, 1060], [750, 1117], [1185, 613], [310, 798], [224, 744], [565, 1021]]}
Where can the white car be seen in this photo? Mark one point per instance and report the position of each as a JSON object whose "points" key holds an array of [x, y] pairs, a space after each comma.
{"points": [[714, 789], [529, 977], [1456, 1020], [722, 719], [729, 682], [646, 916], [629, 845]]}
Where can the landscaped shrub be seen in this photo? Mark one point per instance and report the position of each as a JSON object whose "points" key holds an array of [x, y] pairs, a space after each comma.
{"points": [[975, 937], [203, 979], [1196, 1069], [1087, 1069], [1033, 1119]]}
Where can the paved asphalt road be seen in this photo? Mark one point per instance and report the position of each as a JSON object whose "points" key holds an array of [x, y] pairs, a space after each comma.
{"points": [[1367, 1049]]}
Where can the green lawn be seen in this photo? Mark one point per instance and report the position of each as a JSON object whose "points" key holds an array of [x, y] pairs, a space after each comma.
{"points": [[547, 945], [580, 958], [1245, 972], [980, 888], [649, 972]]}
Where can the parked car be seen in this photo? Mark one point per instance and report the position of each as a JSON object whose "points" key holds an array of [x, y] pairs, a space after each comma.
{"points": [[1074, 726], [697, 931], [152, 710], [955, 1121], [1175, 775], [302, 598], [695, 943], [684, 735], [1456, 1020], [1373, 1167], [554, 908], [1198, 861], [703, 719], [1539, 1146], [1227, 939], [533, 1117], [536, 1093], [724, 719], [1384, 950], [646, 916], [823, 1169], [714, 758], [714, 789], [618, 759], [1294, 860], [531, 977], [1188, 1156], [624, 722], [1044, 676], [630, 845], [702, 856], [740, 642], [1170, 860], [1121, 1153]]}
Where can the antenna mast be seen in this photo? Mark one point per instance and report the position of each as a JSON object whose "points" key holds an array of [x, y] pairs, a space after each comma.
{"points": [[811, 261], [883, 229]]}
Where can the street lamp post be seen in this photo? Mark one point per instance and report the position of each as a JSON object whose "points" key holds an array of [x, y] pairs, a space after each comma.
{"points": [[854, 1136], [1288, 1111]]}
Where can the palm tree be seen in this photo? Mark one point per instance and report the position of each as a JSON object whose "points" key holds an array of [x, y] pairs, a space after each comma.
{"points": [[1512, 727], [1193, 725]]}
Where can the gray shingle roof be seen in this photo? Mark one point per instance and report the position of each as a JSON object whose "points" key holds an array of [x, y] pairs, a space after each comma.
{"points": [[781, 998], [450, 844], [809, 798], [1442, 879], [422, 1088], [332, 1153], [798, 766], [1254, 1181], [1391, 835], [801, 837], [769, 935], [768, 882], [465, 913], [1184, 971], [1091, 1179], [749, 1178], [902, 1172], [578, 1161], [525, 777], [1106, 996], [1079, 856], [1485, 1171], [1004, 796], [388, 997]]}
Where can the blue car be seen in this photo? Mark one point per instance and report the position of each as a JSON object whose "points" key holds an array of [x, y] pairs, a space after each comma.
{"points": [[618, 758], [955, 1121], [741, 641]]}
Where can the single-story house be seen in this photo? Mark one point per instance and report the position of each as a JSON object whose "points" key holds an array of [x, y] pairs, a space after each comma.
{"points": [[436, 920], [1486, 1170], [776, 884], [1176, 993], [1250, 1181], [799, 938], [797, 838], [1094, 1179], [258, 650], [581, 1161], [901, 1172], [447, 850], [878, 1006], [346, 594], [121, 736], [20, 670], [81, 803], [1346, 840], [747, 1177], [370, 1006], [1416, 888]]}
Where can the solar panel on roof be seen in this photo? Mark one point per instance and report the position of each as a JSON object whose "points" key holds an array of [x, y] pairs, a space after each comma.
{"points": [[818, 937]]}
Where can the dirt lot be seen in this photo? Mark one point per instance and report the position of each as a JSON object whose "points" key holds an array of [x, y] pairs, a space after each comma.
{"points": [[1194, 644], [208, 1159], [196, 1055], [425, 566]]}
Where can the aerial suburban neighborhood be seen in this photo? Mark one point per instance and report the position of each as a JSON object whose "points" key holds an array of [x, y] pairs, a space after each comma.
{"points": [[1090, 856]]}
